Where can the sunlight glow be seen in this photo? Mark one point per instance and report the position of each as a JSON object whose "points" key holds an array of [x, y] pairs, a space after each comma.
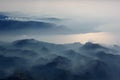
{"points": [[98, 37]]}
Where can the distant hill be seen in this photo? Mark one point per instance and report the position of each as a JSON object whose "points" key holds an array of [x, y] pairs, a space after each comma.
{"points": [[13, 25], [29, 59]]}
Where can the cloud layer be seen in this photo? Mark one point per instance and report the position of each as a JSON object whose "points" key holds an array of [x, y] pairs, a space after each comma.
{"points": [[79, 16]]}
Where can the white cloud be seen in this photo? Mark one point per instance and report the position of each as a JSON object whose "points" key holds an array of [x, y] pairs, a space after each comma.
{"points": [[111, 27], [65, 8], [104, 12]]}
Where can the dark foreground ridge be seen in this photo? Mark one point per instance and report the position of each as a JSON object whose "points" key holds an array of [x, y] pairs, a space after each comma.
{"points": [[30, 59]]}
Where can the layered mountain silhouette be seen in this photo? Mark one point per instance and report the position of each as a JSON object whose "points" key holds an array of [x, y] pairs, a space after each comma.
{"points": [[23, 25], [30, 59]]}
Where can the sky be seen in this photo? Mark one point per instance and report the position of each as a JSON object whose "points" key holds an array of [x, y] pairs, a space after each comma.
{"points": [[90, 20]]}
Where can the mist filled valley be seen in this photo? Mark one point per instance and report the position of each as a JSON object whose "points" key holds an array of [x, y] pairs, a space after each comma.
{"points": [[29, 59]]}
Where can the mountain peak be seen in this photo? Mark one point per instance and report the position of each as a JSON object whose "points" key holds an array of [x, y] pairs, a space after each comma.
{"points": [[90, 45], [25, 41]]}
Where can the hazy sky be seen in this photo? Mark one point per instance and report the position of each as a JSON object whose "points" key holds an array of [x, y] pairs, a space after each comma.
{"points": [[83, 16]]}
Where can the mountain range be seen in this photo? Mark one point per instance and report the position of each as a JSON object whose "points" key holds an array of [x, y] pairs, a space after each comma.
{"points": [[15, 25], [29, 59]]}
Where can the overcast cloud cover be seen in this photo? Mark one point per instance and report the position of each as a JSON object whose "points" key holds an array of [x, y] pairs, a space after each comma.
{"points": [[80, 16]]}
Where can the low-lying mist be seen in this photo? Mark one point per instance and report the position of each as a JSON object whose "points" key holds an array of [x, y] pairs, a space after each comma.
{"points": [[29, 59]]}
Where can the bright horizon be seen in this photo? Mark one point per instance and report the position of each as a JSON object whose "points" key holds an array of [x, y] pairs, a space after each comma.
{"points": [[93, 20]]}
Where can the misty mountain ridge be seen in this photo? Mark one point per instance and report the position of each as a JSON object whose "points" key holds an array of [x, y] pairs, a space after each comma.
{"points": [[30, 25], [23, 17], [29, 59]]}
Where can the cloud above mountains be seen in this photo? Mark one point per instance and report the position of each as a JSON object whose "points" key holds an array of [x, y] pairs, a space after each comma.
{"points": [[37, 26], [14, 25], [78, 16], [56, 30]]}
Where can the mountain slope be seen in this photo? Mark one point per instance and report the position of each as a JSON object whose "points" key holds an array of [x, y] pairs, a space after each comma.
{"points": [[30, 59]]}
